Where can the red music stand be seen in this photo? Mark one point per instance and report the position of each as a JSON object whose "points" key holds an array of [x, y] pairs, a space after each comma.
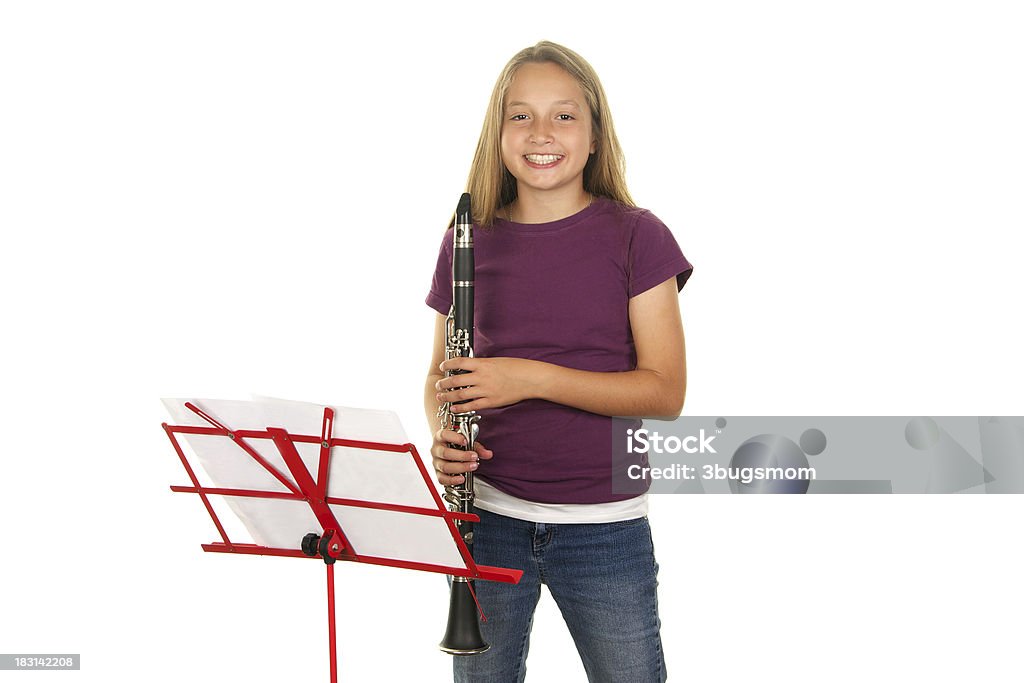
{"points": [[371, 501]]}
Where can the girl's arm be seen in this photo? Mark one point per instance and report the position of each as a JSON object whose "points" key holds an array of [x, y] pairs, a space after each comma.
{"points": [[656, 387], [434, 372]]}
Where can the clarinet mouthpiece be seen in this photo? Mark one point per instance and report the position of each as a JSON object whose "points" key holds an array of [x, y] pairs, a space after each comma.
{"points": [[464, 206]]}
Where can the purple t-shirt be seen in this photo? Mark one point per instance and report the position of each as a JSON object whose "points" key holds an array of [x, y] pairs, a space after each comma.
{"points": [[559, 292]]}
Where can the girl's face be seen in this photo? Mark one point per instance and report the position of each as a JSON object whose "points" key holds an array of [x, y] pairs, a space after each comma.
{"points": [[546, 135]]}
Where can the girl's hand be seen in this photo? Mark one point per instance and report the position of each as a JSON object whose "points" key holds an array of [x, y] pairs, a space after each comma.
{"points": [[489, 382], [450, 463]]}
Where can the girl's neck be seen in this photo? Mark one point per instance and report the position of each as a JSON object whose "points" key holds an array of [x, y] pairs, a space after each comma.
{"points": [[530, 207]]}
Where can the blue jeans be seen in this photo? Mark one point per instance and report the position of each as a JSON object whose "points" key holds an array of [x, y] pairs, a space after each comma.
{"points": [[603, 577]]}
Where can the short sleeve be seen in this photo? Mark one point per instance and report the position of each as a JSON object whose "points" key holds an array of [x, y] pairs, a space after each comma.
{"points": [[440, 295], [654, 256]]}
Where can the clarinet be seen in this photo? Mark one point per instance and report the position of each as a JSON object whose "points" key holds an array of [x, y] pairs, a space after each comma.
{"points": [[463, 634]]}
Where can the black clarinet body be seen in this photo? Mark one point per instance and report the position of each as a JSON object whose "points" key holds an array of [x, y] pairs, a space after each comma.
{"points": [[463, 634]]}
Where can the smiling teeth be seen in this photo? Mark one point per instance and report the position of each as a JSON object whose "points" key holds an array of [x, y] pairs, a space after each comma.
{"points": [[543, 158]]}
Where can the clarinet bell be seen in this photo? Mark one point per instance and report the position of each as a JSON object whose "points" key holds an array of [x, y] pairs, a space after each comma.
{"points": [[463, 634]]}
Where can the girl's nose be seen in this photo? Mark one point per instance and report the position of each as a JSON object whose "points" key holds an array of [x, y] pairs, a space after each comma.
{"points": [[540, 134]]}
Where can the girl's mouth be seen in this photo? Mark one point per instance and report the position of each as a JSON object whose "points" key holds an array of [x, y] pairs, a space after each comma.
{"points": [[542, 160]]}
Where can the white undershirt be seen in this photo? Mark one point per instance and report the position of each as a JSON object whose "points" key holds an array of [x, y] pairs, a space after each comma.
{"points": [[496, 501]]}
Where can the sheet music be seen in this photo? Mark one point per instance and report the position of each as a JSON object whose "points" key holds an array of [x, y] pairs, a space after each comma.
{"points": [[355, 474]]}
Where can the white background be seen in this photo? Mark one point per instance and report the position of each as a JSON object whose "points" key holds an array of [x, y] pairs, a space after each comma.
{"points": [[219, 198]]}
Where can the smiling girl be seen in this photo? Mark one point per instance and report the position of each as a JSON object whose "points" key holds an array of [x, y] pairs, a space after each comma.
{"points": [[577, 320]]}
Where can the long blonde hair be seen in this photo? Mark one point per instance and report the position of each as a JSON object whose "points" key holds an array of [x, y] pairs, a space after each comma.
{"points": [[490, 183]]}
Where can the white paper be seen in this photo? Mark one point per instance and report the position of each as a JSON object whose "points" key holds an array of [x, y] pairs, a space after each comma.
{"points": [[355, 474]]}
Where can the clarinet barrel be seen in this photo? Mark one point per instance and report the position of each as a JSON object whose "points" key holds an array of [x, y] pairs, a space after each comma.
{"points": [[463, 634]]}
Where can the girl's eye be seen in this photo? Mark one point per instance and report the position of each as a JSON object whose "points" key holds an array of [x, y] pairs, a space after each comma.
{"points": [[517, 117], [565, 117]]}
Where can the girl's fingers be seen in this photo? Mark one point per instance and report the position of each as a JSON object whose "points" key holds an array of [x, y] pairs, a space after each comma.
{"points": [[447, 436], [450, 464], [450, 472], [477, 404], [453, 382], [453, 468], [456, 395], [459, 364], [457, 455]]}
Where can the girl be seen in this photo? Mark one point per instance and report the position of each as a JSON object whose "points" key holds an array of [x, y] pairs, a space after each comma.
{"points": [[577, 320]]}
